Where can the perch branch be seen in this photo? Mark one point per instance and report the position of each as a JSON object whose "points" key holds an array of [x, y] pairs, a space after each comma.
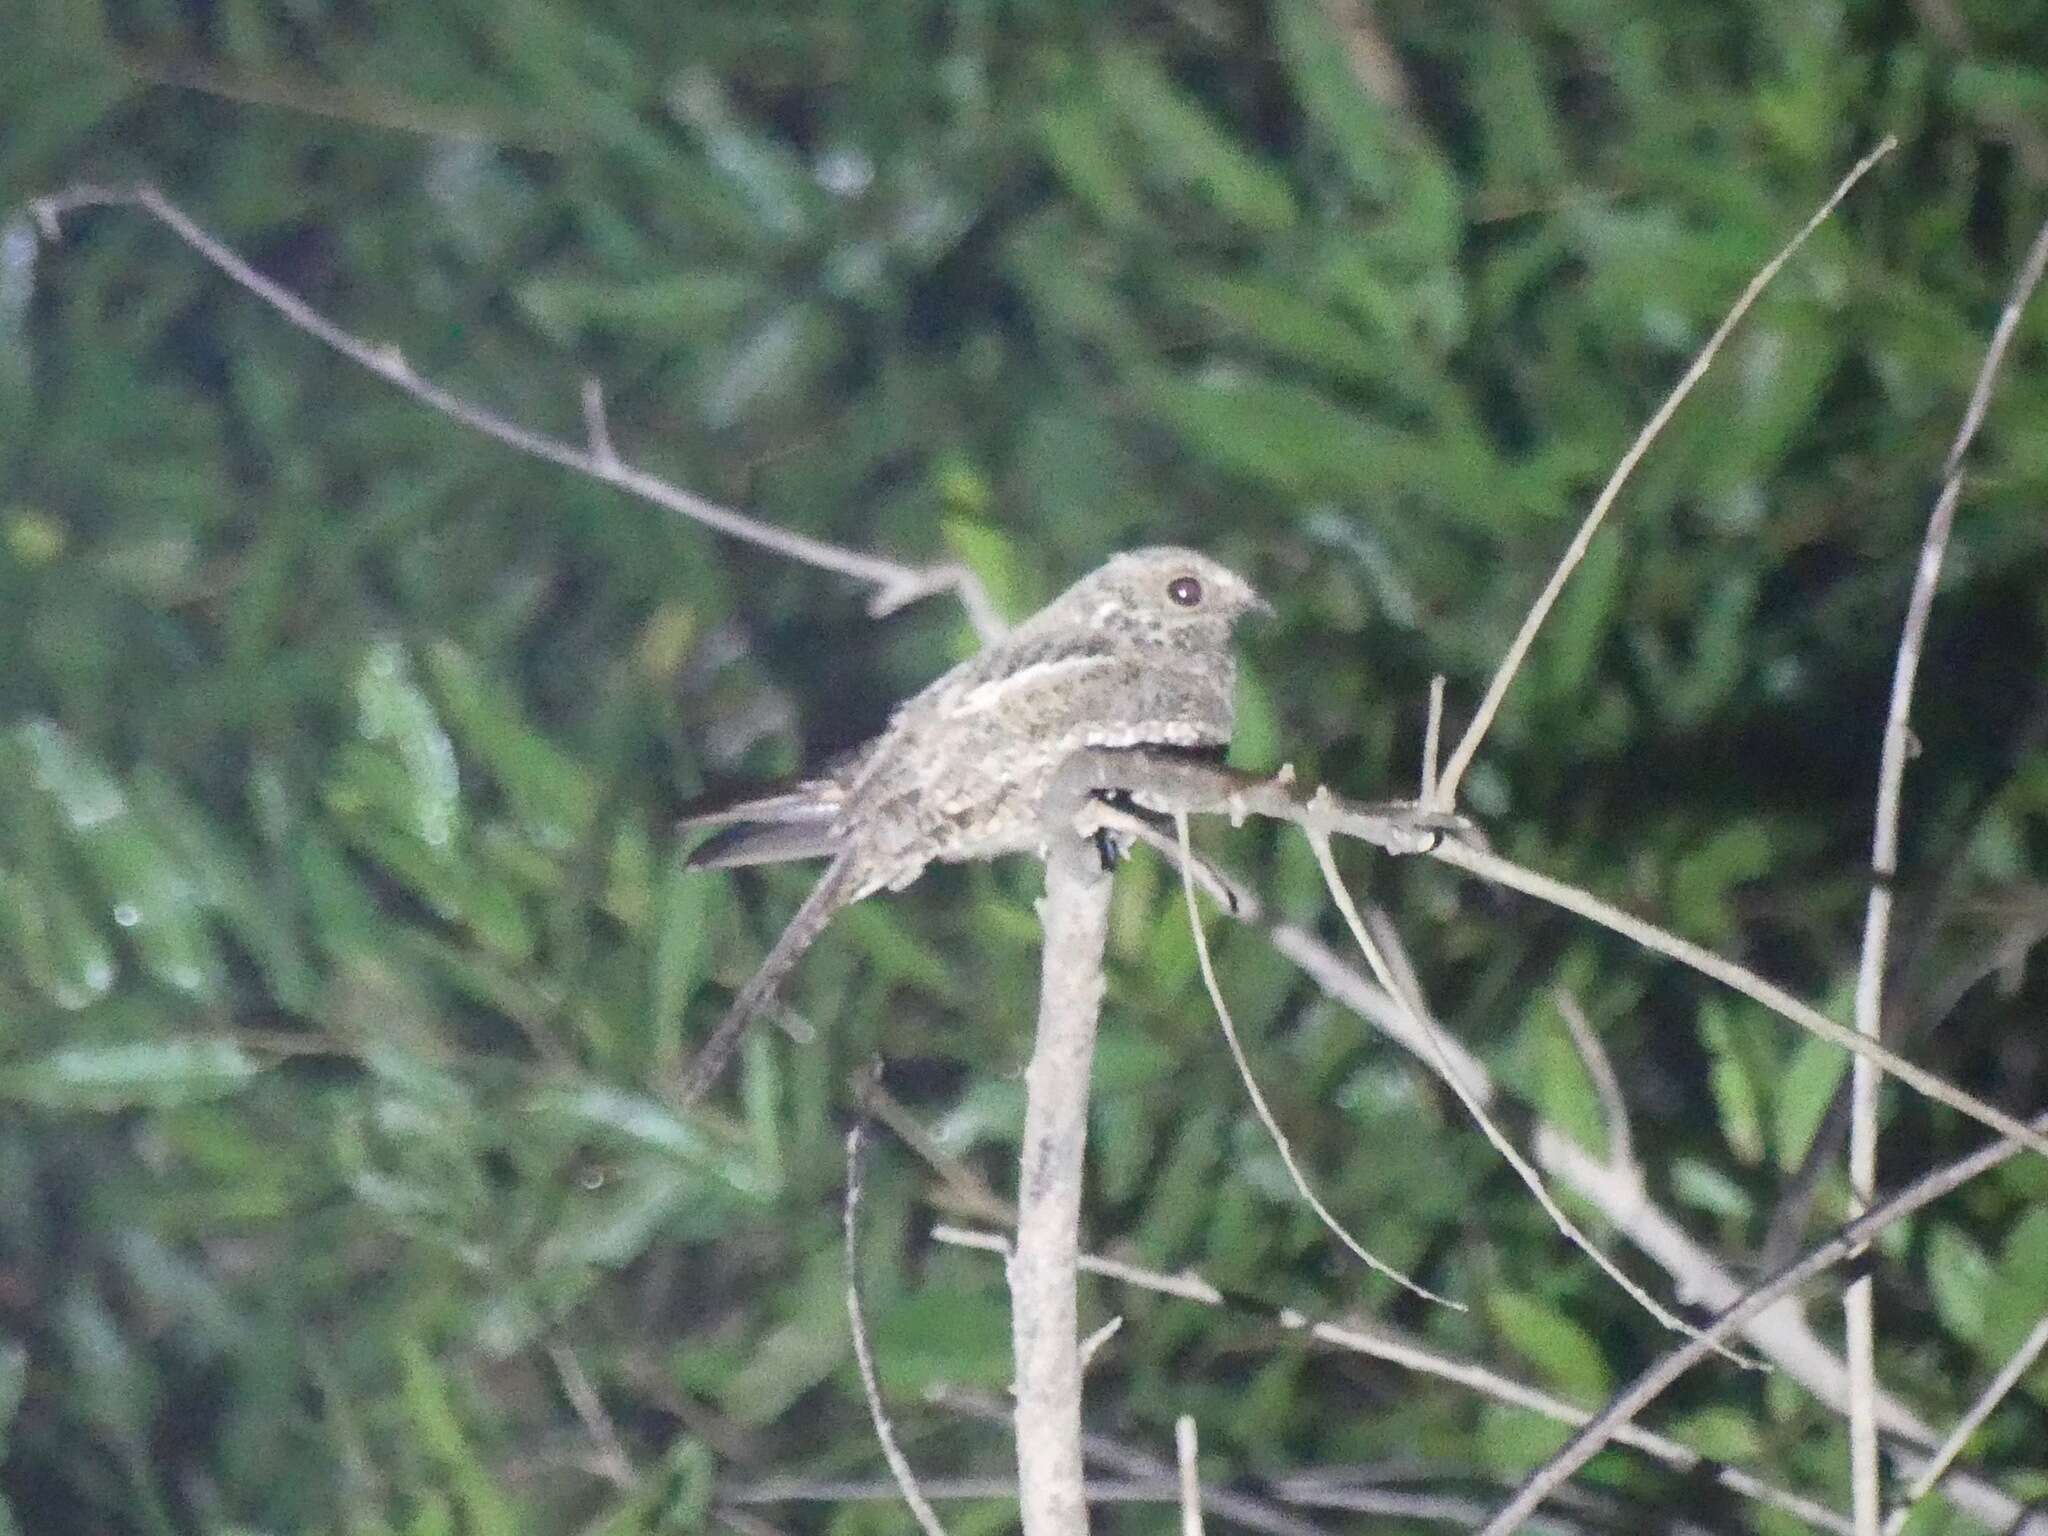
{"points": [[1074, 915], [1167, 782]]}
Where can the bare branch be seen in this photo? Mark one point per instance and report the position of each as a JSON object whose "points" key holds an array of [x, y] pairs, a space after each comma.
{"points": [[1166, 782], [597, 428], [1489, 706], [1259, 1105], [2032, 268], [1631, 1401], [894, 583], [857, 1323], [1092, 1345]]}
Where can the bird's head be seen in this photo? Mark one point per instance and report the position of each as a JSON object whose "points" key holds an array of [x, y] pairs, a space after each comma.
{"points": [[1162, 590]]}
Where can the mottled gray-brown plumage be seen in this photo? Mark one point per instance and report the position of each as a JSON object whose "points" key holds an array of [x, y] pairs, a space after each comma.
{"points": [[1136, 654]]}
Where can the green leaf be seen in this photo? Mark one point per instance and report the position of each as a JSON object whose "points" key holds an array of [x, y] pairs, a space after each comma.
{"points": [[1563, 1353], [1184, 148], [151, 1073], [937, 1335], [2018, 1294], [1277, 319], [1703, 883], [1582, 620], [1079, 138], [430, 1408], [1800, 1099], [59, 948], [552, 794], [1564, 1091], [393, 710], [229, 884], [1725, 1434], [681, 960], [1365, 135], [1515, 1440], [1959, 1274], [673, 307], [148, 893], [1737, 1078]]}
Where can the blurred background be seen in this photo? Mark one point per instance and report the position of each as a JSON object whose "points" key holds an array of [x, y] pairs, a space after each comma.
{"points": [[343, 946]]}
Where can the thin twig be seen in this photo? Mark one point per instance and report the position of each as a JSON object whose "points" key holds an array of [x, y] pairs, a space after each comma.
{"points": [[1489, 706], [964, 1189], [1259, 1105], [1858, 1301], [1383, 1344], [894, 583], [870, 1385], [1432, 740], [2007, 1378], [1419, 1014], [1606, 1085], [1091, 1345], [1640, 1393], [2032, 268], [612, 1462]]}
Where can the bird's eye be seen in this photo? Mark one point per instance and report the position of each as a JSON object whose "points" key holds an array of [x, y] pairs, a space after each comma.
{"points": [[1185, 590]]}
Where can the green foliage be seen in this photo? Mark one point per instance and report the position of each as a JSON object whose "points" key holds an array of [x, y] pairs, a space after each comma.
{"points": [[346, 963]]}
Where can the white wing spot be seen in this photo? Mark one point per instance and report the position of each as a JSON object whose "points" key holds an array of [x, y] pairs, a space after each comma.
{"points": [[993, 693]]}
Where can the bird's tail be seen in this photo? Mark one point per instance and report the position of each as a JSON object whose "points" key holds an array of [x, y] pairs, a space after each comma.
{"points": [[833, 891]]}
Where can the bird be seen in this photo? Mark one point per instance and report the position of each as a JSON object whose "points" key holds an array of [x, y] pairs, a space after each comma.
{"points": [[1135, 654]]}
